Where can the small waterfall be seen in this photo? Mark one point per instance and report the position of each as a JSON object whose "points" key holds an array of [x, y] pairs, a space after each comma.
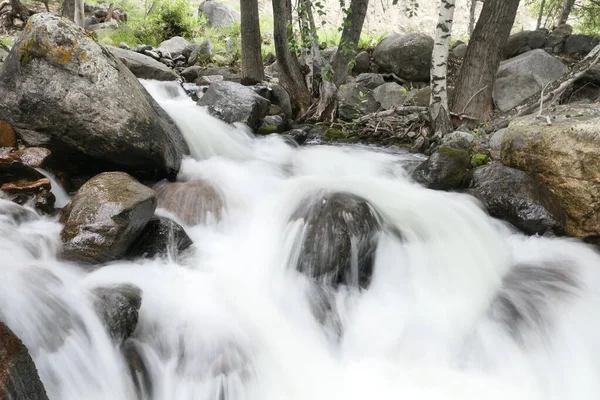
{"points": [[62, 197], [459, 305]]}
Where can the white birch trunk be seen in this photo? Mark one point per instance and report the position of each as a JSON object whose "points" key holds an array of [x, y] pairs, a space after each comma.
{"points": [[438, 106], [79, 13]]}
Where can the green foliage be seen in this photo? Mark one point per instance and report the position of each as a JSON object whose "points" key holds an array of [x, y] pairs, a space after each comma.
{"points": [[585, 14], [165, 19]]}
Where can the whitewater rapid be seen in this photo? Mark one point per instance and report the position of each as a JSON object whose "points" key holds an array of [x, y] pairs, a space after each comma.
{"points": [[463, 307]]}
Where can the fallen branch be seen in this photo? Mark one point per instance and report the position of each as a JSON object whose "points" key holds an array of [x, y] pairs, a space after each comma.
{"points": [[392, 111], [471, 99]]}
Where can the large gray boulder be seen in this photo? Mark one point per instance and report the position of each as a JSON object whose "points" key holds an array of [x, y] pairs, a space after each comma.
{"points": [[233, 102], [408, 56], [339, 240], [580, 44], [144, 67], [63, 91], [218, 15], [523, 76], [105, 217], [19, 379], [3, 53], [518, 198], [174, 46], [390, 95], [524, 41], [563, 156], [355, 100]]}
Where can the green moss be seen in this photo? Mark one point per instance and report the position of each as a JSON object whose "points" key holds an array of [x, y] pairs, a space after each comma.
{"points": [[267, 130], [479, 159], [451, 151], [334, 134]]}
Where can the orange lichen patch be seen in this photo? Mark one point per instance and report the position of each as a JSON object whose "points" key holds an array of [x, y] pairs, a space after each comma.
{"points": [[8, 138], [43, 183]]}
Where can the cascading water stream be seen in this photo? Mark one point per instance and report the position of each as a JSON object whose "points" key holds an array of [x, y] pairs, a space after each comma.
{"points": [[460, 306]]}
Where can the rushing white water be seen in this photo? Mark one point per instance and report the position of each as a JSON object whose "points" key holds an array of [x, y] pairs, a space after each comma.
{"points": [[61, 195], [462, 307]]}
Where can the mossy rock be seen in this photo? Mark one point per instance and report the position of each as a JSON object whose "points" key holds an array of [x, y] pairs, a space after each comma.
{"points": [[444, 170], [479, 159]]}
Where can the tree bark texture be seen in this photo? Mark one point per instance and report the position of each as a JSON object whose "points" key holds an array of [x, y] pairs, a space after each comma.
{"points": [[438, 105], [73, 10], [475, 83], [472, 13], [565, 12], [349, 41], [290, 75], [252, 66]]}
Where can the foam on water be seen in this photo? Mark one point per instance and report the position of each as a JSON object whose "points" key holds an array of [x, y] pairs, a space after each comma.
{"points": [[462, 308]]}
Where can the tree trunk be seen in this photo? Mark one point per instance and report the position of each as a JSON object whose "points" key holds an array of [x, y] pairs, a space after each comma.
{"points": [[540, 15], [79, 12], [68, 9], [73, 10], [475, 83], [472, 12], [566, 11], [349, 41], [438, 105], [252, 66], [18, 10], [290, 75]]}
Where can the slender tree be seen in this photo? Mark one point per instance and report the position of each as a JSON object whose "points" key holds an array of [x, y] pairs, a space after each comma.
{"points": [[475, 83], [567, 6], [438, 106], [290, 74], [252, 66], [540, 15], [349, 41], [73, 10]]}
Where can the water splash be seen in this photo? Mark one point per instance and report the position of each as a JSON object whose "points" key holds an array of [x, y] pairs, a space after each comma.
{"points": [[461, 308]]}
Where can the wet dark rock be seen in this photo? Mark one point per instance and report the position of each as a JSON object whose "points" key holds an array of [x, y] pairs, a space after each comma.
{"points": [[105, 217], [193, 202], [271, 124], [299, 135], [161, 237], [118, 307], [95, 111], [338, 227], [518, 198], [19, 379], [444, 170], [363, 63], [138, 369], [233, 102]]}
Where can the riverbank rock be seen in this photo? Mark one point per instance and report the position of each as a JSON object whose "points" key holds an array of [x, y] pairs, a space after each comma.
{"points": [[524, 41], [144, 67], [408, 56], [444, 170], [338, 227], [161, 237], [518, 198], [19, 379], [96, 115], [523, 76], [23, 184], [105, 217], [218, 15], [233, 102], [355, 100], [563, 156], [174, 46], [193, 202], [390, 95], [118, 307]]}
